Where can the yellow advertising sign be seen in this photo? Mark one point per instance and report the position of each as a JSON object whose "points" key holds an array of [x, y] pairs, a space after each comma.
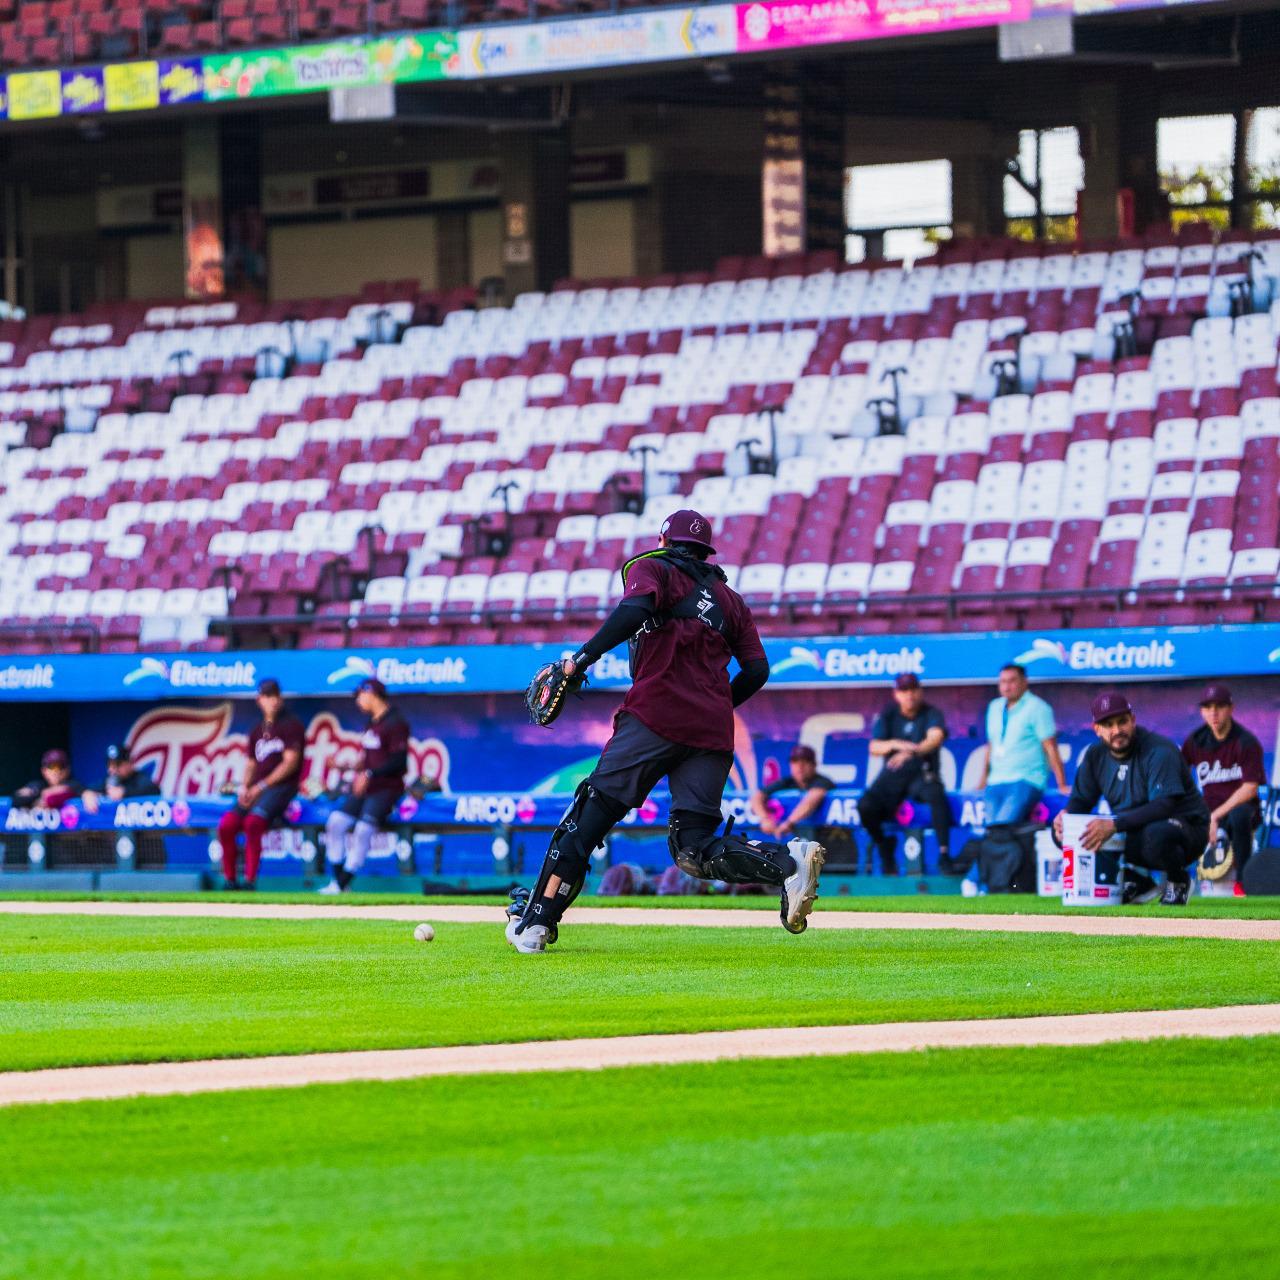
{"points": [[132, 86], [35, 95]]}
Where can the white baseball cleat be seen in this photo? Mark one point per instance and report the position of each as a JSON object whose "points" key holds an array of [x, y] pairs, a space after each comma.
{"points": [[801, 887], [331, 888], [530, 940]]}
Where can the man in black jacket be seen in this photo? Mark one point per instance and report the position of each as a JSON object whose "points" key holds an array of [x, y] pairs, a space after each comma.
{"points": [[1152, 798]]}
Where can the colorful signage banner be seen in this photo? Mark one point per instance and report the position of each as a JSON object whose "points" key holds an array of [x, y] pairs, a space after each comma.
{"points": [[1121, 654], [562, 45], [785, 24], [340, 64]]}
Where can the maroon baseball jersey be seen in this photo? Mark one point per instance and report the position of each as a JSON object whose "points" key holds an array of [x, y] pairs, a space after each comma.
{"points": [[386, 752], [1220, 767], [269, 742], [680, 688]]}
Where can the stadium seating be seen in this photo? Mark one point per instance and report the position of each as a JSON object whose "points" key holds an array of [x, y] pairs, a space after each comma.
{"points": [[1008, 435]]}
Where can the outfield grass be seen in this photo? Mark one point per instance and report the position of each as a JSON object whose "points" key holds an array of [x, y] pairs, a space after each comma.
{"points": [[1119, 1161], [1017, 904], [81, 989]]}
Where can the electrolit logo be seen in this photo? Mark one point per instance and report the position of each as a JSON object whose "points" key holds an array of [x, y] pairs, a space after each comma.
{"points": [[1043, 650], [352, 669]]}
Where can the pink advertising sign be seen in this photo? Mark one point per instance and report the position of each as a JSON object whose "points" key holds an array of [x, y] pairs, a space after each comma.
{"points": [[782, 24]]}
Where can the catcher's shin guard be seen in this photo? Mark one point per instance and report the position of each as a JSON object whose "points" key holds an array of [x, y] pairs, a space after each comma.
{"points": [[699, 852], [586, 822]]}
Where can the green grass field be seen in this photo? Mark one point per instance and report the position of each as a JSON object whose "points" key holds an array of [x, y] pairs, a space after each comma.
{"points": [[1148, 1160], [1203, 908], [1156, 1161], [80, 989]]}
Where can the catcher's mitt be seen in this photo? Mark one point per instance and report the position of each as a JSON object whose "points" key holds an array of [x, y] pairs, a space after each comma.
{"points": [[1216, 861], [547, 691]]}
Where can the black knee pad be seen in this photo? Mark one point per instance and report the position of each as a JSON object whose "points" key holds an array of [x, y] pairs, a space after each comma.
{"points": [[700, 852]]}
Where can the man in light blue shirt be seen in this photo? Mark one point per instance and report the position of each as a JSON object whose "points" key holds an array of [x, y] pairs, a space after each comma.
{"points": [[1022, 750]]}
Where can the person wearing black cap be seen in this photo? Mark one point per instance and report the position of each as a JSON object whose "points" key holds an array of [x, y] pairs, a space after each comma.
{"points": [[272, 774], [376, 787], [685, 625], [55, 786], [1226, 761], [907, 735], [124, 780], [804, 778], [1153, 801]]}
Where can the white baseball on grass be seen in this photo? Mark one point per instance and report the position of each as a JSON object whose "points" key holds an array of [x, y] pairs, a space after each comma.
{"points": [[424, 933]]}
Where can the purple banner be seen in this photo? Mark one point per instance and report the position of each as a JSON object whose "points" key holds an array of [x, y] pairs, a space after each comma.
{"points": [[181, 80], [83, 91]]}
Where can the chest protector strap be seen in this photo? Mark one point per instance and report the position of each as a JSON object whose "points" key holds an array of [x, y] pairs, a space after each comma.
{"points": [[700, 603]]}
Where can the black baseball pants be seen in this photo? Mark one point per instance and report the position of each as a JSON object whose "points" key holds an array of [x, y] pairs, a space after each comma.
{"points": [[880, 803], [1171, 846]]}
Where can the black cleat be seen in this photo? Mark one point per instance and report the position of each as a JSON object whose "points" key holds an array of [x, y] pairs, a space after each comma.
{"points": [[1176, 893], [1138, 889]]}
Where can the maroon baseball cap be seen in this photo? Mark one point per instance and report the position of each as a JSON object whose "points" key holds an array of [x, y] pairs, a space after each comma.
{"points": [[370, 685], [688, 526], [801, 752], [54, 759], [1109, 704], [1216, 693], [907, 680]]}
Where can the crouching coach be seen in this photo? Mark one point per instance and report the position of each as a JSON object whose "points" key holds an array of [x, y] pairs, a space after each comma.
{"points": [[1153, 800]]}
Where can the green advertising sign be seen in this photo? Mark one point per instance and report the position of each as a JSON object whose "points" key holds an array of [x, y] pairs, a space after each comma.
{"points": [[340, 64]]}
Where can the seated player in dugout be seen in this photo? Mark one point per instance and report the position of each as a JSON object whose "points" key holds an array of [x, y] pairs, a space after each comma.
{"points": [[908, 735], [1153, 801], [376, 786], [124, 780], [55, 786], [1226, 761], [684, 625], [804, 778]]}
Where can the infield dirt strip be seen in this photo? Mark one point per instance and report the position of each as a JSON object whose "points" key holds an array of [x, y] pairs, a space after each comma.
{"points": [[1156, 925], [79, 1084]]}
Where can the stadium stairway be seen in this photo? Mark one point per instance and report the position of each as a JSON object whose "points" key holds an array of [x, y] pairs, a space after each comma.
{"points": [[1007, 435]]}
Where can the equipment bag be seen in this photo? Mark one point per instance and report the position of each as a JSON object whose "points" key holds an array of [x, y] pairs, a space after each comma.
{"points": [[1006, 858]]}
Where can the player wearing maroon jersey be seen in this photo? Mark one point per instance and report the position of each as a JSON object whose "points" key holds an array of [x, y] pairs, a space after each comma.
{"points": [[685, 625], [377, 785], [271, 779], [1226, 761]]}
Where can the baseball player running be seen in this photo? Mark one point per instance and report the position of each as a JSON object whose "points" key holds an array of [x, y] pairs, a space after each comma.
{"points": [[377, 785], [684, 625]]}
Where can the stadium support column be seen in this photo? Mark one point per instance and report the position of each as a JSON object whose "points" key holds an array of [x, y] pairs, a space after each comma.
{"points": [[802, 177], [1117, 123], [202, 243], [535, 210], [245, 230]]}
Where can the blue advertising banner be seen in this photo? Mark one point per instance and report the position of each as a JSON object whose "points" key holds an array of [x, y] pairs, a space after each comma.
{"points": [[472, 809], [846, 662]]}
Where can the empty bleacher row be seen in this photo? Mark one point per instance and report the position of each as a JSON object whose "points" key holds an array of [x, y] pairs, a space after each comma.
{"points": [[56, 32], [1009, 435]]}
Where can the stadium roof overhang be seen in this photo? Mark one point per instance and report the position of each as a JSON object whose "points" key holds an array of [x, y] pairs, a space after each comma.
{"points": [[712, 54]]}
